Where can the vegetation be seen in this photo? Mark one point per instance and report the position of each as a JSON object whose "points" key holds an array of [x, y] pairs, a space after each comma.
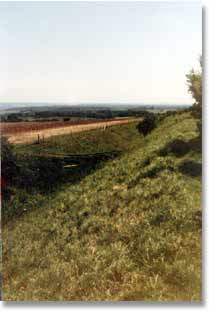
{"points": [[194, 80], [8, 160], [122, 137], [128, 230], [80, 112], [147, 125], [36, 175], [8, 168]]}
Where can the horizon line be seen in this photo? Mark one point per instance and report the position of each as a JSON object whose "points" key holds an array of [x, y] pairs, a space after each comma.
{"points": [[99, 103]]}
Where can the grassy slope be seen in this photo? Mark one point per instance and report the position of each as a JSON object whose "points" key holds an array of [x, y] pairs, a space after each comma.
{"points": [[123, 137], [129, 231]]}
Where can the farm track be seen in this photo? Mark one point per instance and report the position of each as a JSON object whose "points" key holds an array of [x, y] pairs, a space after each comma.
{"points": [[30, 136]]}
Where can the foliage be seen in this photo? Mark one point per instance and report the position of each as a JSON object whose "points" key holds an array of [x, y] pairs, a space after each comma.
{"points": [[35, 176], [147, 125], [8, 168], [8, 161], [46, 113], [39, 173], [130, 230], [22, 174], [194, 80]]}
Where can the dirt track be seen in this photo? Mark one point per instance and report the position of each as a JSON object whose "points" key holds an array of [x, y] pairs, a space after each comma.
{"points": [[32, 136]]}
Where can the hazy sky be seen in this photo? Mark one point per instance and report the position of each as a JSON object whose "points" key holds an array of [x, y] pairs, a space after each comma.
{"points": [[98, 51]]}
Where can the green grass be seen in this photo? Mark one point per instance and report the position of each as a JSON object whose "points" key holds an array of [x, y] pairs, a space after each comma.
{"points": [[130, 230]]}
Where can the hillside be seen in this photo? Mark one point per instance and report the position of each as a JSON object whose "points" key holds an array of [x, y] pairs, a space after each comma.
{"points": [[128, 230]]}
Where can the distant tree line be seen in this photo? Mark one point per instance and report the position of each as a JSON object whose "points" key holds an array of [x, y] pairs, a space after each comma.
{"points": [[67, 115]]}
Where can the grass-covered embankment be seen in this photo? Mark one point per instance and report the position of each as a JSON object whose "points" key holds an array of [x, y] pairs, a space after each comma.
{"points": [[40, 173], [120, 137], [130, 230]]}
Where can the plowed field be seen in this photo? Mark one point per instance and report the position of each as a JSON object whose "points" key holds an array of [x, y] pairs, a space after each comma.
{"points": [[29, 132]]}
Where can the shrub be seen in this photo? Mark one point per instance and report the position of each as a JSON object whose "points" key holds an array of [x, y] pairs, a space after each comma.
{"points": [[8, 168], [147, 125], [8, 161], [39, 173], [194, 81]]}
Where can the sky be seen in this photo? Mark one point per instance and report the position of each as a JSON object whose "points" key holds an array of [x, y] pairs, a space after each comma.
{"points": [[77, 52]]}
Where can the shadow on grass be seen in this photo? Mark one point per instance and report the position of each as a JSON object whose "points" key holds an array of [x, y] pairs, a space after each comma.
{"points": [[180, 148], [77, 167], [39, 176], [191, 168], [47, 173]]}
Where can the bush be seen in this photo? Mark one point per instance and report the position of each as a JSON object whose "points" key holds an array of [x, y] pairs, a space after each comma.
{"points": [[147, 125], [8, 161], [35, 177], [39, 173], [194, 81], [9, 168], [23, 176]]}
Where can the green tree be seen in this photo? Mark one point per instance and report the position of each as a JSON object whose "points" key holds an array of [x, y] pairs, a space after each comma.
{"points": [[194, 81]]}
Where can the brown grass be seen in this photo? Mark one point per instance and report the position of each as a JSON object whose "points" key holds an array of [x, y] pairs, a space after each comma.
{"points": [[27, 132]]}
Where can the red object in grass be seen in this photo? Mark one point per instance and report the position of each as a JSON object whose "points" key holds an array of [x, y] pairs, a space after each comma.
{"points": [[2, 183]]}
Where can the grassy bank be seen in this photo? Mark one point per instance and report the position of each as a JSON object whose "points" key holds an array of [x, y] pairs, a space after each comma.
{"points": [[129, 230], [38, 176], [123, 137]]}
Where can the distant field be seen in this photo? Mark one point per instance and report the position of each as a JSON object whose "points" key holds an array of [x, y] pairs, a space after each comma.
{"points": [[27, 132], [14, 127]]}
